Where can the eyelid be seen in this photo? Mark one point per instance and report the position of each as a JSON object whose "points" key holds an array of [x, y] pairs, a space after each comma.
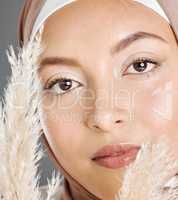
{"points": [[157, 64], [144, 54], [78, 77], [63, 92], [54, 81]]}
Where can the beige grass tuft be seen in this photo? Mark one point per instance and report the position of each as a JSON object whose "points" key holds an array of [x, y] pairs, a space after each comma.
{"points": [[152, 176], [20, 127]]}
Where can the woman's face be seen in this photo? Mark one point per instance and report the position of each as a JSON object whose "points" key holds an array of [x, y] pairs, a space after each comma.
{"points": [[120, 59]]}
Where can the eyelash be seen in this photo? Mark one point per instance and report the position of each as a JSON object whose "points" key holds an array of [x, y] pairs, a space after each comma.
{"points": [[137, 60], [140, 60], [57, 80]]}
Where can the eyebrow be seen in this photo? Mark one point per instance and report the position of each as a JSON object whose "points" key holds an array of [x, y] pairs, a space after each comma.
{"points": [[124, 43], [120, 46]]}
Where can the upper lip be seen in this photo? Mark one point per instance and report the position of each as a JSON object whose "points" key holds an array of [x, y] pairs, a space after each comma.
{"points": [[114, 149]]}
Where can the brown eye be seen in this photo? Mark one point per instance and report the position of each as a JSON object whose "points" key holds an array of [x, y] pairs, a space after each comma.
{"points": [[141, 66], [65, 84], [62, 85]]}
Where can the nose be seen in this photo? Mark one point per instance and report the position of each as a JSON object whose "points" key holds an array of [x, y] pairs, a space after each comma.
{"points": [[109, 108], [106, 120]]}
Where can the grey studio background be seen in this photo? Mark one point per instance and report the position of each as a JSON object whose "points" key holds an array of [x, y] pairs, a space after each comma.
{"points": [[9, 15]]}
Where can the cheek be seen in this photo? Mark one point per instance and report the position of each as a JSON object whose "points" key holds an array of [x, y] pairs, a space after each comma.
{"points": [[157, 108], [62, 129]]}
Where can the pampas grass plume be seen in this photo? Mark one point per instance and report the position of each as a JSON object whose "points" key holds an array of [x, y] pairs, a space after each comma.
{"points": [[20, 151]]}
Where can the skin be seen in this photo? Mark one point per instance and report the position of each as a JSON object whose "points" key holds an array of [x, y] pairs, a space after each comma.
{"points": [[83, 120]]}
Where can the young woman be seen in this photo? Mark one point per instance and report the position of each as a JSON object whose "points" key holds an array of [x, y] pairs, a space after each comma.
{"points": [[109, 71]]}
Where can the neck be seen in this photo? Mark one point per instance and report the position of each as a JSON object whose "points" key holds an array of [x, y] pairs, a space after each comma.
{"points": [[74, 191]]}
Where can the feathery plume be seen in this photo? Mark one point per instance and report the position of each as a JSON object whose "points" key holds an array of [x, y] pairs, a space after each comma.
{"points": [[53, 185], [152, 176], [20, 151]]}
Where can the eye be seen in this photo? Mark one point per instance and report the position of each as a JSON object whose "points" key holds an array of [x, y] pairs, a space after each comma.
{"points": [[62, 85], [141, 66]]}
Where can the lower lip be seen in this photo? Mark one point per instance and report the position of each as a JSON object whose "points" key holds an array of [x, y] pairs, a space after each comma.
{"points": [[114, 162]]}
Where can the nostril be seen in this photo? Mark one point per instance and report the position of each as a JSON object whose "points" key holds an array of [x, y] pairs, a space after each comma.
{"points": [[118, 121], [96, 126]]}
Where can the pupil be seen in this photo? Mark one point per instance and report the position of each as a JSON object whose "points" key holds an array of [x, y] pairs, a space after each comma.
{"points": [[140, 66], [65, 84]]}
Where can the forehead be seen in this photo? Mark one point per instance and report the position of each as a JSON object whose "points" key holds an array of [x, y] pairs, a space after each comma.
{"points": [[98, 20]]}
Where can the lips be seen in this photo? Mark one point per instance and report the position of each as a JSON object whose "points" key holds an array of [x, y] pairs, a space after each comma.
{"points": [[116, 156]]}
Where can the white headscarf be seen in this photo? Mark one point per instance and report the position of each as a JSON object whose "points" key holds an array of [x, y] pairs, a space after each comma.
{"points": [[50, 6]]}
